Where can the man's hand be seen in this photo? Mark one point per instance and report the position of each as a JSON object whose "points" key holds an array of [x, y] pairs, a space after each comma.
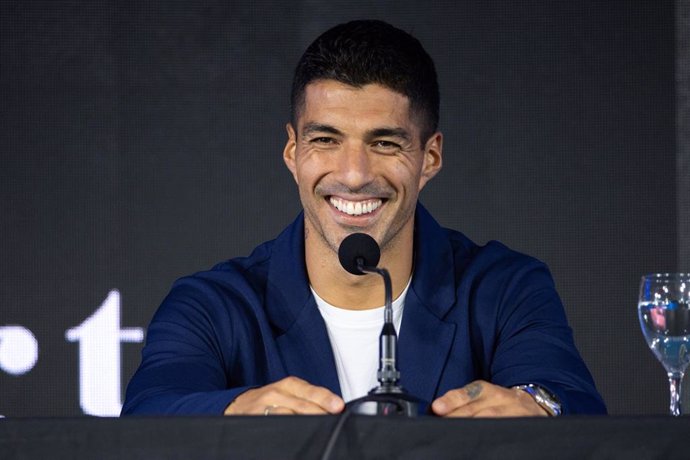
{"points": [[285, 397], [483, 399]]}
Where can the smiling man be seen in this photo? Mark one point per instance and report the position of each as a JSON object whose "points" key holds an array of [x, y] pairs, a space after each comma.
{"points": [[288, 331], [359, 161]]}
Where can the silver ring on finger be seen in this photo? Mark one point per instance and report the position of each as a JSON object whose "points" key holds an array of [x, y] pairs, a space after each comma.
{"points": [[269, 408]]}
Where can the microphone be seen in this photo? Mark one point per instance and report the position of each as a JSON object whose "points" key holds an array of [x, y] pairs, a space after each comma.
{"points": [[358, 249], [359, 254]]}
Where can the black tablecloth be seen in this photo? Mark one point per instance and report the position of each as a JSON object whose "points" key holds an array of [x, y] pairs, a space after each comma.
{"points": [[361, 437]]}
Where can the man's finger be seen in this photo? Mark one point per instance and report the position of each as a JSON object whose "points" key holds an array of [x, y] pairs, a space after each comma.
{"points": [[457, 398], [286, 401], [289, 395], [321, 396]]}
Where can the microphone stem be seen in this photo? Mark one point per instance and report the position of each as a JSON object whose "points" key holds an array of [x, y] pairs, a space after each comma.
{"points": [[387, 286], [388, 374]]}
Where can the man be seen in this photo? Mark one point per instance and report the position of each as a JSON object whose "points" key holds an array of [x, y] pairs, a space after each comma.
{"points": [[289, 331]]}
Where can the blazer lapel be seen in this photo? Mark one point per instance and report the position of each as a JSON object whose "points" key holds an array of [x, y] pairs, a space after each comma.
{"points": [[424, 344], [299, 331], [306, 350], [425, 339]]}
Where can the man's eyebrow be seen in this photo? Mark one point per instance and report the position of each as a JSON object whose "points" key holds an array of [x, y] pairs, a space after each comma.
{"points": [[390, 132], [311, 128], [315, 128]]}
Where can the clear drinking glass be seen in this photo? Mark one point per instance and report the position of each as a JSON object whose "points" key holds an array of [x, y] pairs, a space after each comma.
{"points": [[664, 311]]}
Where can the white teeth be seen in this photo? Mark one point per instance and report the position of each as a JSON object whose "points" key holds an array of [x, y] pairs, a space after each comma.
{"points": [[355, 208]]}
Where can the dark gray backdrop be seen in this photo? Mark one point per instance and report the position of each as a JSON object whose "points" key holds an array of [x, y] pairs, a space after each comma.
{"points": [[142, 141]]}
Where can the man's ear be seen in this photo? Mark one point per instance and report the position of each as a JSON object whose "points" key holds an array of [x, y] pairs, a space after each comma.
{"points": [[290, 150], [433, 158]]}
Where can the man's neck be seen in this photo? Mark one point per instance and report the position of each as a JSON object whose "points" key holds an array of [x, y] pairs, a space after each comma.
{"points": [[344, 290]]}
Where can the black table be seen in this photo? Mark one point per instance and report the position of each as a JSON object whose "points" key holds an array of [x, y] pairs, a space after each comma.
{"points": [[361, 437]]}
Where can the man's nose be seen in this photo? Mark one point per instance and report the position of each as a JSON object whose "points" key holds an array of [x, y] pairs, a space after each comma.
{"points": [[355, 166]]}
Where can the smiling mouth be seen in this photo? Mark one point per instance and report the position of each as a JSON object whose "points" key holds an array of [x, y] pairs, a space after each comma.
{"points": [[355, 208]]}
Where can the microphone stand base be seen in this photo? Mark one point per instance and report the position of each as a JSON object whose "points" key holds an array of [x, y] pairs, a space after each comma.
{"points": [[388, 401]]}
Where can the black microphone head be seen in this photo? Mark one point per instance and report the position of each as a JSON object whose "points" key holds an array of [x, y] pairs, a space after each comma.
{"points": [[358, 246]]}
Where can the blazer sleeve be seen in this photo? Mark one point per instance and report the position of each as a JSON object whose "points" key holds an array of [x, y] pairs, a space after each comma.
{"points": [[532, 341], [189, 356]]}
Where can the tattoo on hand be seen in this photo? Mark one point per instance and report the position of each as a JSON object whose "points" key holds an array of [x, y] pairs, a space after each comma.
{"points": [[473, 390]]}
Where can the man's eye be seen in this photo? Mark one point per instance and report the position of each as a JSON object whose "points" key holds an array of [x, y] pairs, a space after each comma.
{"points": [[386, 145], [323, 140]]}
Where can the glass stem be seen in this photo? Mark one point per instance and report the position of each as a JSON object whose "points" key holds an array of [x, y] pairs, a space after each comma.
{"points": [[674, 380]]}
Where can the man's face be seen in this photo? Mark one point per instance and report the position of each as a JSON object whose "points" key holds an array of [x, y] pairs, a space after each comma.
{"points": [[359, 162]]}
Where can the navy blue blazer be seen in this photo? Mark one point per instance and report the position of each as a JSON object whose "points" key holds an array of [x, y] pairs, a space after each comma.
{"points": [[471, 313]]}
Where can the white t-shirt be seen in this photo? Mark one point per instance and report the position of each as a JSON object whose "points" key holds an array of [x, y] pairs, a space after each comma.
{"points": [[354, 336]]}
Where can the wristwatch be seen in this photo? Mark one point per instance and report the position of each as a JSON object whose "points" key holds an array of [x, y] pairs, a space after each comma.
{"points": [[543, 397]]}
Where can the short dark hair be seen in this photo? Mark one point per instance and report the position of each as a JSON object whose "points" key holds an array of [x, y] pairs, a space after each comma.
{"points": [[358, 53]]}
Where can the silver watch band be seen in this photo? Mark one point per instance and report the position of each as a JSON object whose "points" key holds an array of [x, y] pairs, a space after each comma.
{"points": [[544, 398]]}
